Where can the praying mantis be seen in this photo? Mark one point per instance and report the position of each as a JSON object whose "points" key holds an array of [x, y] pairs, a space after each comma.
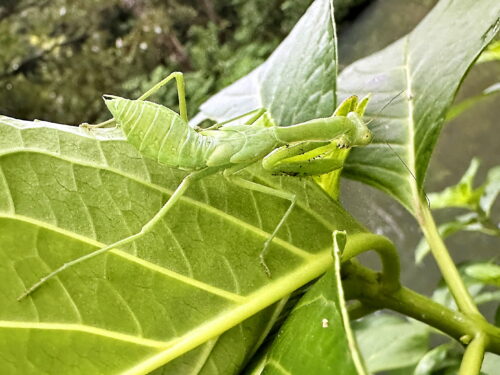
{"points": [[229, 147]]}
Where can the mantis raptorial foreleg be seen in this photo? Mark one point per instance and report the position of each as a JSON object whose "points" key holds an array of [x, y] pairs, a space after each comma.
{"points": [[181, 93], [174, 198], [241, 182]]}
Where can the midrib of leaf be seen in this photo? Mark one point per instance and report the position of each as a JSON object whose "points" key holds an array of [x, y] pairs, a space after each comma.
{"points": [[412, 180], [433, 70], [256, 302]]}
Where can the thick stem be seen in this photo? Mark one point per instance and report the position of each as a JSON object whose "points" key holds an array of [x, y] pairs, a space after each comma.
{"points": [[473, 356], [445, 263], [358, 310], [362, 242], [359, 284]]}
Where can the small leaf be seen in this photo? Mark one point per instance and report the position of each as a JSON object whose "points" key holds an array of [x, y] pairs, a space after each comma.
{"points": [[457, 109], [462, 194], [491, 53], [470, 222], [491, 190], [389, 342], [442, 357], [476, 275], [487, 273]]}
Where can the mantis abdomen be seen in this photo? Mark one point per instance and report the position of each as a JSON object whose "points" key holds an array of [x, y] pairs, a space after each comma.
{"points": [[161, 134]]}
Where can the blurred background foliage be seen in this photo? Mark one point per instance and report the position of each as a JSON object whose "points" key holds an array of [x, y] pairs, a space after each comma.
{"points": [[58, 57]]}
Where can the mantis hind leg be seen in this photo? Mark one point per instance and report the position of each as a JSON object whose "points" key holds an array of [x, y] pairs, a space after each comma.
{"points": [[174, 198], [270, 191], [181, 93]]}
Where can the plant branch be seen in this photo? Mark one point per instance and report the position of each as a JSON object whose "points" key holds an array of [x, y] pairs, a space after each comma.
{"points": [[362, 284], [473, 356], [362, 242], [445, 263]]}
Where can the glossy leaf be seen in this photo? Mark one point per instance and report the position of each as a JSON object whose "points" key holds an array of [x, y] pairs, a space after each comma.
{"points": [[413, 82], [296, 83]]}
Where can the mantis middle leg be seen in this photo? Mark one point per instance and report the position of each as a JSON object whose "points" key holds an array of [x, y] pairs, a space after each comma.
{"points": [[229, 174], [174, 198]]}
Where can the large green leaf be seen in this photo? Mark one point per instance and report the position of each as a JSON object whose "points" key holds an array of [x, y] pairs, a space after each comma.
{"points": [[425, 68], [64, 192], [296, 83]]}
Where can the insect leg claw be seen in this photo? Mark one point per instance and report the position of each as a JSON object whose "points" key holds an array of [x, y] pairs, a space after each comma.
{"points": [[264, 265]]}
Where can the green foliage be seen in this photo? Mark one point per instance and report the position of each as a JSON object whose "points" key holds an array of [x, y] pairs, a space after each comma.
{"points": [[477, 200], [191, 296], [185, 283], [412, 122], [389, 342]]}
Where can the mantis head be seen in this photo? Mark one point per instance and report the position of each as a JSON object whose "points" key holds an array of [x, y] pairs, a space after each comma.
{"points": [[354, 109], [363, 135]]}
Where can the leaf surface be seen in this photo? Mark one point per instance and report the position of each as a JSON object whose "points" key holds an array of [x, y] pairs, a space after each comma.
{"points": [[390, 342], [65, 192], [413, 82], [296, 83]]}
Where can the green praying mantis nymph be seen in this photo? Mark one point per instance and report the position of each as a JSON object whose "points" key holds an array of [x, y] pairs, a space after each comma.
{"points": [[165, 136]]}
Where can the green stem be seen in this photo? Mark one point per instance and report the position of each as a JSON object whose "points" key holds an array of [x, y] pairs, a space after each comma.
{"points": [[358, 310], [445, 263], [362, 242], [360, 284], [473, 356]]}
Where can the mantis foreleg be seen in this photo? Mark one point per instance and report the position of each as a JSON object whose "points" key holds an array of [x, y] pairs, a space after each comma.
{"points": [[174, 198], [270, 191]]}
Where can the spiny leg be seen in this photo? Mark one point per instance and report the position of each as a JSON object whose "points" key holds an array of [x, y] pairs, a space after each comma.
{"points": [[181, 93], [228, 173], [177, 194]]}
